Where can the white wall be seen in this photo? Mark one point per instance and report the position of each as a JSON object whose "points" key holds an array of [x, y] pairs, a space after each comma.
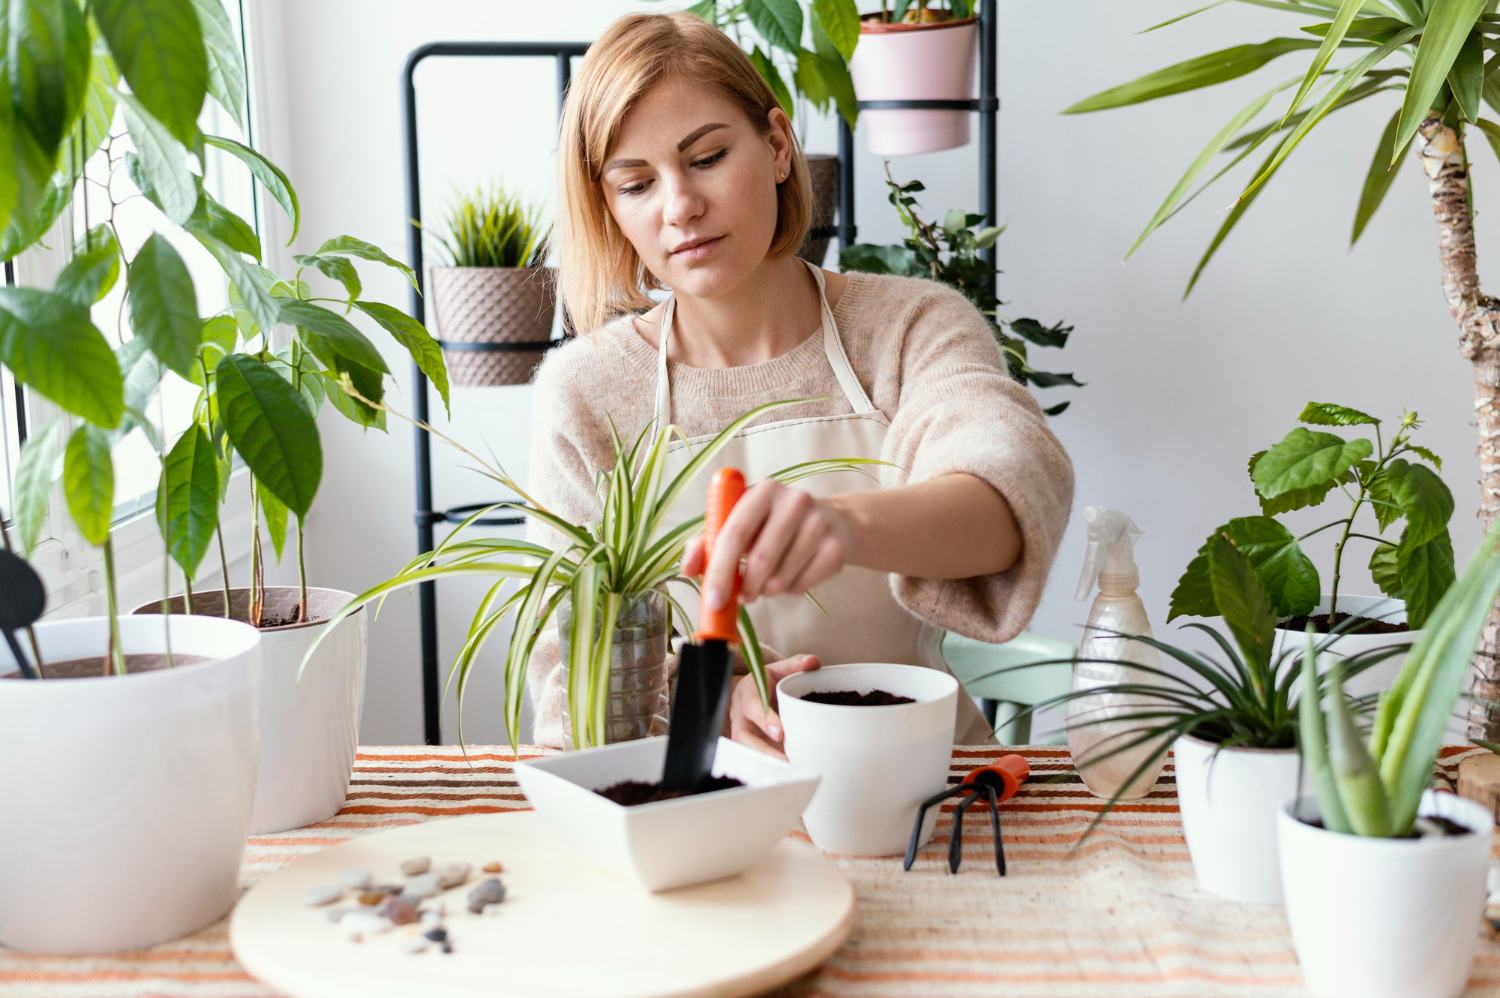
{"points": [[1179, 394]]}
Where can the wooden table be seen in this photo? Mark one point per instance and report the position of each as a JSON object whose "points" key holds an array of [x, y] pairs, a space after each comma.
{"points": [[1120, 914]]}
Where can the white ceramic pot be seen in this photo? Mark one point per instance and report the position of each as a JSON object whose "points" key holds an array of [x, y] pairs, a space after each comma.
{"points": [[914, 62], [877, 764], [1386, 918], [1373, 680], [1229, 800], [309, 729], [126, 799]]}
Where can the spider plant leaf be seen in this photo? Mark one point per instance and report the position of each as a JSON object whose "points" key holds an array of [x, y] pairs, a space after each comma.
{"points": [[755, 659], [711, 449], [524, 631], [1443, 35]]}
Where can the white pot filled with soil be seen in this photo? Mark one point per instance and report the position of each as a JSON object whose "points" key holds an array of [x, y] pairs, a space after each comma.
{"points": [[127, 798], [309, 728], [1387, 917], [880, 741]]}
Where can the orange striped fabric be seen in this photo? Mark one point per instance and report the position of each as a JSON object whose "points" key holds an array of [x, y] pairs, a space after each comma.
{"points": [[1119, 915]]}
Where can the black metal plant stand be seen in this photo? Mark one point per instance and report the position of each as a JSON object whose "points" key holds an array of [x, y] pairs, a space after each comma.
{"points": [[986, 105]]}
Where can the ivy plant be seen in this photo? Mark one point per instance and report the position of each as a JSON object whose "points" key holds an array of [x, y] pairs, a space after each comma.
{"points": [[1397, 479], [950, 253]]}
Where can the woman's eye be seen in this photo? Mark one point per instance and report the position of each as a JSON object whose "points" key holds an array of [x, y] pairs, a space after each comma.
{"points": [[711, 160], [702, 164], [629, 191]]}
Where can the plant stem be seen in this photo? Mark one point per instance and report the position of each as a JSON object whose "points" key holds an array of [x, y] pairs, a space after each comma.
{"points": [[301, 578], [223, 566], [257, 582], [116, 656]]}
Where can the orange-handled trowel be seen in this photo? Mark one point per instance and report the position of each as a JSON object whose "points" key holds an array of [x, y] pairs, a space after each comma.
{"points": [[701, 694]]}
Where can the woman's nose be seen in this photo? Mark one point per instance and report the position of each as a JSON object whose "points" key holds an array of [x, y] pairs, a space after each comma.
{"points": [[682, 202]]}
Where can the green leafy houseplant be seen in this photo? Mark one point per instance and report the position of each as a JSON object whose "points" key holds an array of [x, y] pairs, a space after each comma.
{"points": [[1374, 789], [597, 567], [819, 75], [492, 228], [950, 253], [1432, 58], [1301, 471], [58, 114]]}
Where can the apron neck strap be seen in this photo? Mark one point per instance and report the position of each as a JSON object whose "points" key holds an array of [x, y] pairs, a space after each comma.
{"points": [[833, 349]]}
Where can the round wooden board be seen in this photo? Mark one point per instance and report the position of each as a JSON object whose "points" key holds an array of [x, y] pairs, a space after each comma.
{"points": [[565, 928]]}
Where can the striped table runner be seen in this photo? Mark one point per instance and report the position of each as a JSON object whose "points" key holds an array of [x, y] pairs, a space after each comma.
{"points": [[1119, 915]]}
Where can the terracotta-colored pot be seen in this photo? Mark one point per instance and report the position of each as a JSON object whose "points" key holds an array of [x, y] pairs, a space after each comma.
{"points": [[493, 305], [930, 61]]}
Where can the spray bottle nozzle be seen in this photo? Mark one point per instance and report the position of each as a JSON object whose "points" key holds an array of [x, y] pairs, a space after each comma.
{"points": [[1112, 537]]}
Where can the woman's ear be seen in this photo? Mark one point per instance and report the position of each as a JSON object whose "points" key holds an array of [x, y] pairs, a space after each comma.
{"points": [[780, 140]]}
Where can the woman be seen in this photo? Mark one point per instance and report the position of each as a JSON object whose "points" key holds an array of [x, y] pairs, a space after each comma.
{"points": [[679, 170]]}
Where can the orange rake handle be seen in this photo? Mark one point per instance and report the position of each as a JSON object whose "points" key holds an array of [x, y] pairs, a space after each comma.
{"points": [[1007, 773], [724, 490]]}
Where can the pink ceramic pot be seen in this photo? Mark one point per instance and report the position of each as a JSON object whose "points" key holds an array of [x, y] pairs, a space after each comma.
{"points": [[933, 61]]}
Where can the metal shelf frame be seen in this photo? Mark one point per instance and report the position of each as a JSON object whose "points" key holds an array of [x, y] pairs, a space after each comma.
{"points": [[986, 106]]}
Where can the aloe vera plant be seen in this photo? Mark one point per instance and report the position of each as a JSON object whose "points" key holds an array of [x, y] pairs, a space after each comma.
{"points": [[629, 550], [1434, 61], [1375, 788]]}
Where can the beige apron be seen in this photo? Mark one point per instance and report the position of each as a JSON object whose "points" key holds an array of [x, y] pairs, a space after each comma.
{"points": [[864, 621]]}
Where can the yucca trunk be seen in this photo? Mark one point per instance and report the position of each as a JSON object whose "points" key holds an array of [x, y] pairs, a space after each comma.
{"points": [[1478, 317]]}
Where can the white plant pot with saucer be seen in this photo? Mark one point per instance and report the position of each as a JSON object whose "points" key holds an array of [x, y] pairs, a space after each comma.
{"points": [[1386, 918], [1229, 798], [928, 61], [1381, 608], [877, 764], [127, 798], [309, 728]]}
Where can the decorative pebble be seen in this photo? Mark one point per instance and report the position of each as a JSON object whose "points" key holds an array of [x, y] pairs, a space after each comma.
{"points": [[355, 879], [421, 887], [371, 898], [488, 892], [398, 910], [493, 867], [337, 914], [413, 942], [452, 874], [317, 897], [359, 924], [447, 948], [438, 935], [417, 866]]}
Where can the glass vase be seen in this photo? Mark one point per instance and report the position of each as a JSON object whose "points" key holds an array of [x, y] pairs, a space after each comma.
{"points": [[637, 704]]}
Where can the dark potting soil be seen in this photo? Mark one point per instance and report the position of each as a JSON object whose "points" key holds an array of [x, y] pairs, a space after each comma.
{"points": [[849, 698], [1364, 625], [98, 665], [633, 792], [1447, 825]]}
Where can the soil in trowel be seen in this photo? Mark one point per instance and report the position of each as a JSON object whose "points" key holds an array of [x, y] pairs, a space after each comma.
{"points": [[88, 668], [633, 792], [849, 698]]}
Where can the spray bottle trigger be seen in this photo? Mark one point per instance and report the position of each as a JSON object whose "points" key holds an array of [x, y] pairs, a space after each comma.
{"points": [[1090, 577]]}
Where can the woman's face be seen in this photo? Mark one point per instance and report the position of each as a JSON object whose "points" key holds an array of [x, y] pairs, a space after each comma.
{"points": [[692, 185]]}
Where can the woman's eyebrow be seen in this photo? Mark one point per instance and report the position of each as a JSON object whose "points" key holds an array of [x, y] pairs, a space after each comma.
{"points": [[688, 140]]}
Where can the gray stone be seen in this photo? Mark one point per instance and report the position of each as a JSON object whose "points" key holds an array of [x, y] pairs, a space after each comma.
{"points": [[487, 892], [421, 887], [452, 874], [317, 897], [355, 878], [416, 866]]}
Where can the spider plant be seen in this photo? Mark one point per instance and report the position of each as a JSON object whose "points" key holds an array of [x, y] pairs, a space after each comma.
{"points": [[1375, 789], [492, 228], [629, 550]]}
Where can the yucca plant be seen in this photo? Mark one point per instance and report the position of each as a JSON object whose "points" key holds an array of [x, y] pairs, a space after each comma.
{"points": [[493, 228], [628, 551], [1375, 789], [1431, 56]]}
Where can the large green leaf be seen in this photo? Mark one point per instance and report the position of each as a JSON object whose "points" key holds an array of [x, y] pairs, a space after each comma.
{"points": [[271, 429], [1426, 570], [1242, 601], [1289, 500], [1332, 39], [158, 46], [1286, 574], [213, 219], [45, 46], [160, 167], [1333, 414], [96, 116], [1202, 71], [1377, 181], [1448, 25], [89, 482], [1422, 496], [1342, 83], [143, 374], [330, 335], [226, 63], [835, 75], [93, 270], [274, 512], [269, 175], [418, 342], [250, 283], [839, 20], [778, 21], [163, 305], [52, 347], [350, 246], [187, 499], [336, 267], [1385, 571], [1303, 459], [32, 490], [1466, 78], [768, 71]]}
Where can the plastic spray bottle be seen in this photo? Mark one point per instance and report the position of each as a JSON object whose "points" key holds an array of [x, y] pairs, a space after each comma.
{"points": [[1110, 565]]}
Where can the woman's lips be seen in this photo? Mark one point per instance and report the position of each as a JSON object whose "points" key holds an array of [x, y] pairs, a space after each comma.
{"points": [[699, 252]]}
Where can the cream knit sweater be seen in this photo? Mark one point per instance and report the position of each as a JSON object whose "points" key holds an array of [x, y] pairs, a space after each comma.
{"points": [[927, 359]]}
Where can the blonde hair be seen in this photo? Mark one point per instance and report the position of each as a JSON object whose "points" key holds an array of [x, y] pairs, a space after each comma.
{"points": [[599, 271]]}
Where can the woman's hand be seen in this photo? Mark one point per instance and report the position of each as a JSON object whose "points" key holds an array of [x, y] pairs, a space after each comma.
{"points": [[790, 542], [754, 725]]}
